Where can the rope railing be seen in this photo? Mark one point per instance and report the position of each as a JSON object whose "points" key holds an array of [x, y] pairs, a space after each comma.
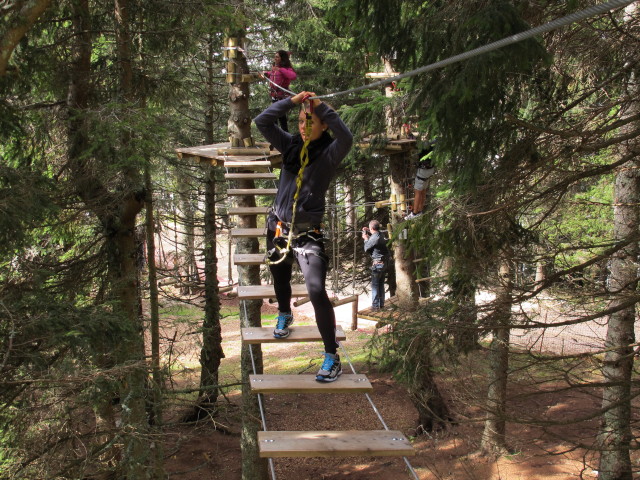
{"points": [[263, 417], [375, 409]]}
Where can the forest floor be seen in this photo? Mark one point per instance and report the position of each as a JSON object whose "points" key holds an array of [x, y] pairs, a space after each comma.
{"points": [[210, 450]]}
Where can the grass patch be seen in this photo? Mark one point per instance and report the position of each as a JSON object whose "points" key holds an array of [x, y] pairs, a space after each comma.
{"points": [[283, 358]]}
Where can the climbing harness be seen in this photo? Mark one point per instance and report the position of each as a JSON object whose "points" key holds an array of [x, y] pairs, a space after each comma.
{"points": [[281, 248]]}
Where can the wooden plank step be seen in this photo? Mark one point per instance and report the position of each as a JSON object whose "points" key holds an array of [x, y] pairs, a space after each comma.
{"points": [[353, 443], [258, 165], [299, 333], [347, 383], [248, 232], [248, 210], [251, 191], [256, 292], [248, 258], [251, 176]]}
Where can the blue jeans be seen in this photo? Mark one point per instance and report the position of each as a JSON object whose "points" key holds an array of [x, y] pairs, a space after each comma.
{"points": [[378, 273]]}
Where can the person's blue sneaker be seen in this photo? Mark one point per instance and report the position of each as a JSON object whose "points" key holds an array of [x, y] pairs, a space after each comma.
{"points": [[330, 369], [283, 321]]}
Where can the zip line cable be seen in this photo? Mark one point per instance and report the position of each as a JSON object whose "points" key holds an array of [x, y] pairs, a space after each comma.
{"points": [[519, 37]]}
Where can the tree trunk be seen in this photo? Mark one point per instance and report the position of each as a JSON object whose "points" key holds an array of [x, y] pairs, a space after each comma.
{"points": [[239, 124], [123, 275], [391, 121], [19, 18], [351, 223], [211, 353], [493, 437], [407, 289], [137, 460], [615, 432], [153, 300], [190, 267], [212, 50], [117, 213], [615, 435], [465, 313], [433, 412]]}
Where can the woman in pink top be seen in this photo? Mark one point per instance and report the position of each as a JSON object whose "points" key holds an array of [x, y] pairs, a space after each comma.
{"points": [[282, 74]]}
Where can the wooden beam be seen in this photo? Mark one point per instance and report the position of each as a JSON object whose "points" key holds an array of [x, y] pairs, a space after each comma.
{"points": [[381, 75], [248, 232], [251, 191], [251, 176], [301, 301], [334, 444], [347, 383], [299, 333], [337, 303], [240, 151], [255, 292]]}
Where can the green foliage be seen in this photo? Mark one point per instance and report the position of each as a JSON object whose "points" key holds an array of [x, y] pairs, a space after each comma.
{"points": [[583, 227], [414, 341], [20, 189], [367, 117]]}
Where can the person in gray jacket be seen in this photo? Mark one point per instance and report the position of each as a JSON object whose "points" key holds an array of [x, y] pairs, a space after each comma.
{"points": [[376, 245], [325, 154]]}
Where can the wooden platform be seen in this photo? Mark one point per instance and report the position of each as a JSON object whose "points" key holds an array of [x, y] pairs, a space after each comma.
{"points": [[388, 146], [256, 292], [209, 154], [370, 443], [346, 383], [380, 315], [299, 333]]}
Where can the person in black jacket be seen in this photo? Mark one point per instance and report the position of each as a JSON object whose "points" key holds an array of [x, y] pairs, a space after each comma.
{"points": [[325, 154], [376, 245]]}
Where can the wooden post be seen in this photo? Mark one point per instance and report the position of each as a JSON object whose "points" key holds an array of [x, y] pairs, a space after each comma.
{"points": [[392, 130], [354, 314]]}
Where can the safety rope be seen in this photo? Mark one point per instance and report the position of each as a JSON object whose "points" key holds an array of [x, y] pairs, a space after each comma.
{"points": [[519, 37], [304, 161], [263, 416], [375, 409]]}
